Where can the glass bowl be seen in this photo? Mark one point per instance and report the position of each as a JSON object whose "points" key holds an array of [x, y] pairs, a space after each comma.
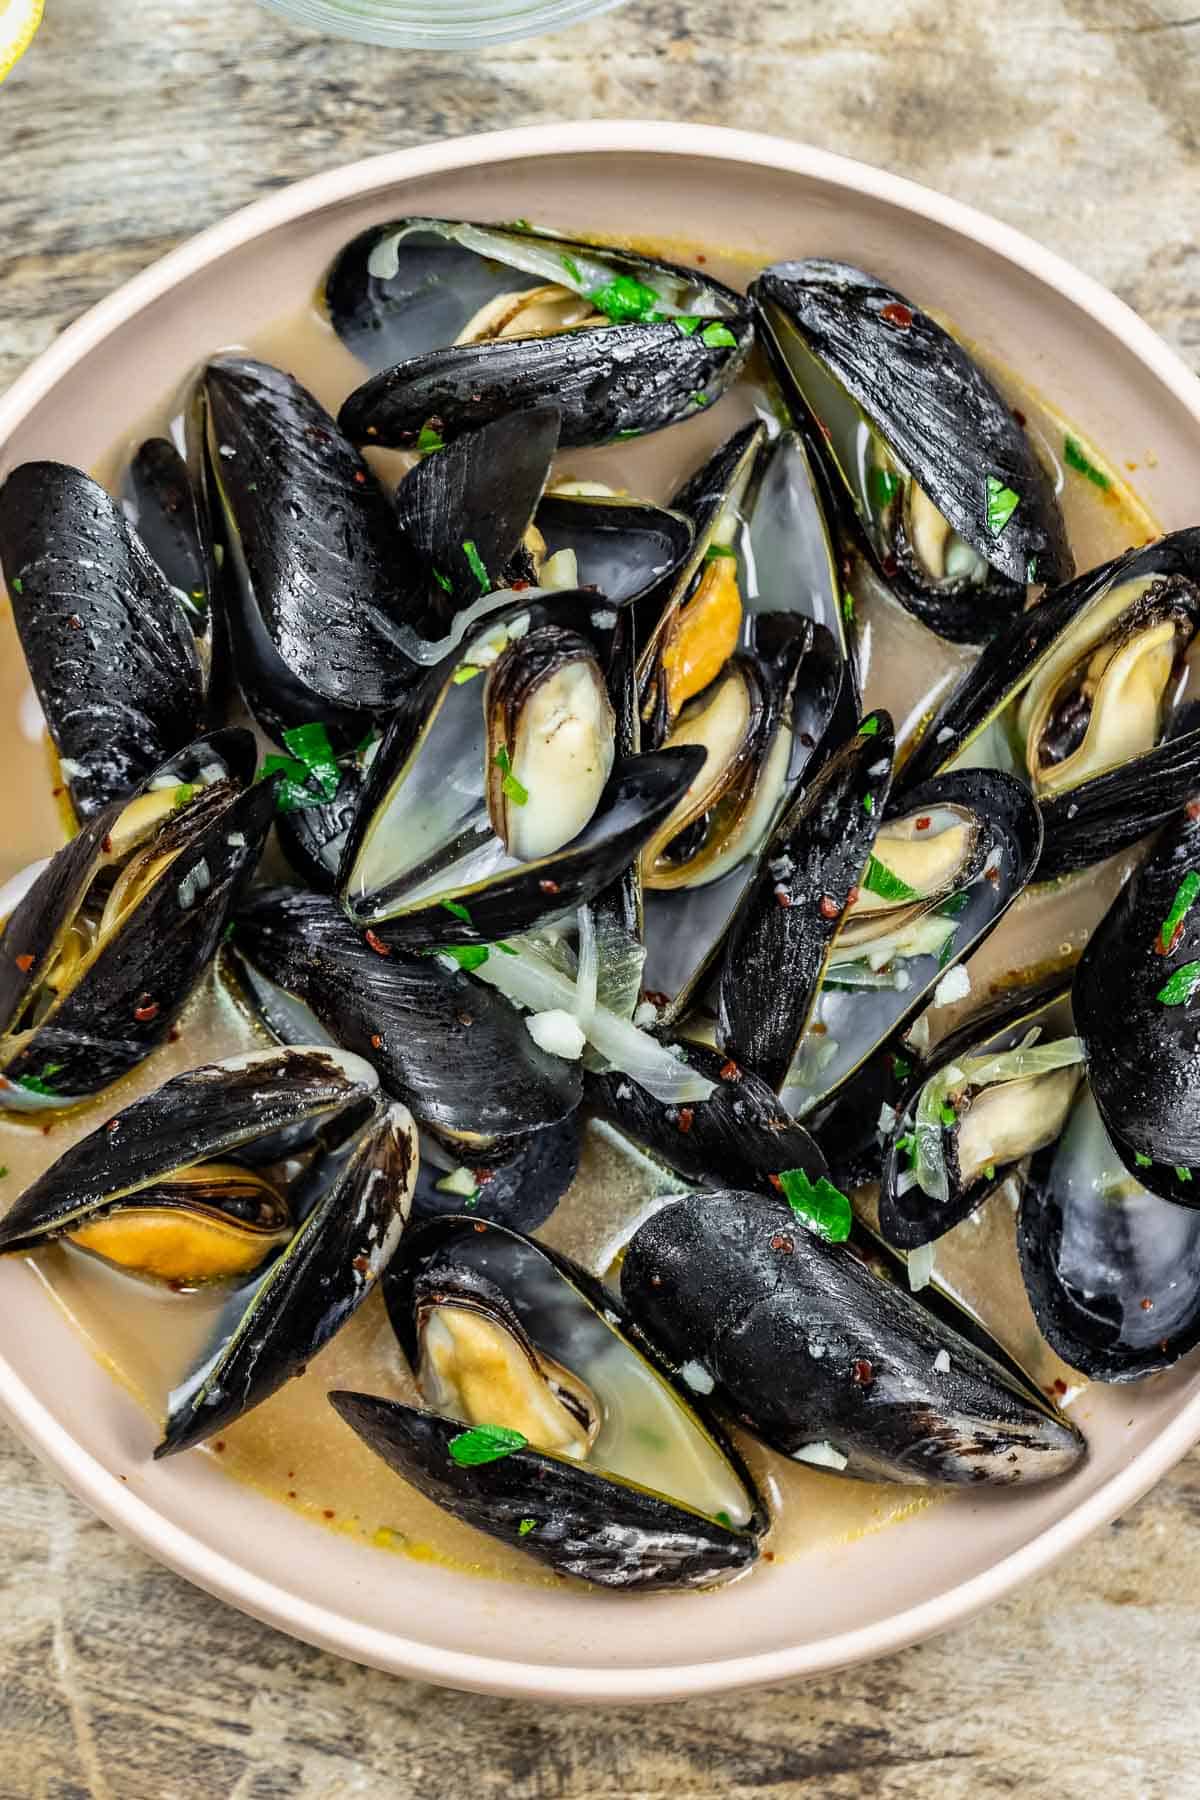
{"points": [[437, 24]]}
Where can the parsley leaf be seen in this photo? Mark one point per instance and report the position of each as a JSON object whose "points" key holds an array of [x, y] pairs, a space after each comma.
{"points": [[823, 1207], [476, 564], [1074, 454], [1002, 503], [485, 1444], [719, 337], [1181, 905], [879, 879], [625, 299], [1180, 986]]}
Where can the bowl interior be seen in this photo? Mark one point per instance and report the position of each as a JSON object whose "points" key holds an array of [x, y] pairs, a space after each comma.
{"points": [[859, 1598]]}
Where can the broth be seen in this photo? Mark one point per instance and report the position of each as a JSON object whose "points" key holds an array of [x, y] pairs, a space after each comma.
{"points": [[293, 1447]]}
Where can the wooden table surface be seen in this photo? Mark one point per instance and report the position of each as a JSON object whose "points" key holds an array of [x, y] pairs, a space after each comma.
{"points": [[130, 126]]}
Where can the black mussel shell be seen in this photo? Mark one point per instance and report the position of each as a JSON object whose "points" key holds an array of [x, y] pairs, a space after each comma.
{"points": [[1009, 663], [466, 507], [326, 577], [1112, 1271], [628, 549], [520, 1191], [454, 1050], [1112, 812], [412, 285], [740, 1133], [777, 949], [206, 1114], [499, 895], [1136, 1000], [542, 1300], [353, 1202], [607, 383], [807, 1346], [129, 991], [910, 1217], [167, 510], [930, 403], [651, 1544], [109, 646]]}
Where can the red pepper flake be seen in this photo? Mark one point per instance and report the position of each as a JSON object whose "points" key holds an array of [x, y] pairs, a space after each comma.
{"points": [[106, 844], [701, 259], [465, 1018], [483, 1176], [829, 908], [729, 1071], [291, 1494], [1160, 949], [655, 997], [775, 1183], [360, 478], [25, 963], [889, 565], [1192, 809], [768, 1556], [328, 1513], [1019, 416], [518, 587], [377, 944], [782, 897], [174, 1035], [656, 1281], [1060, 1386], [58, 792], [548, 887], [146, 1009], [75, 622], [1146, 1304], [781, 1241], [480, 1226], [685, 1118], [897, 314], [863, 1372], [992, 875], [818, 1028], [372, 431], [46, 1130], [362, 1265], [924, 822], [852, 896], [113, 1125], [376, 1041], [219, 1446]]}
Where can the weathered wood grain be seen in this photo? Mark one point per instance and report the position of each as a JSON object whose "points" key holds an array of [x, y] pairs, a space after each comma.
{"points": [[128, 128]]}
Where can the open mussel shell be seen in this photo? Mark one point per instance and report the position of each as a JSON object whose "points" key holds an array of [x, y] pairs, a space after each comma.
{"points": [[165, 506], [1136, 999], [995, 1091], [740, 1133], [481, 319], [455, 1051], [853, 923], [946, 488], [109, 645], [100, 957], [627, 549], [626, 1482], [325, 578], [424, 864], [467, 506], [1112, 1271], [520, 1187], [1094, 668], [188, 1153], [408, 286], [822, 1359]]}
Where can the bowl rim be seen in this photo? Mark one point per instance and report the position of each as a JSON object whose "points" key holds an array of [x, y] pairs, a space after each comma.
{"points": [[104, 1492]]}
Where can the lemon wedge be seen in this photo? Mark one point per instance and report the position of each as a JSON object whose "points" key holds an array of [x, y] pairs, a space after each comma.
{"points": [[19, 20]]}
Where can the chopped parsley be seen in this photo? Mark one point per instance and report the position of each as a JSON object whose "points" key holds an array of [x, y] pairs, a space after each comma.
{"points": [[868, 803], [3, 1170], [686, 324], [310, 774], [698, 399], [1074, 454], [1002, 503], [17, 585], [716, 552], [525, 1527], [485, 1444], [989, 1174], [625, 299], [512, 788], [1178, 989], [954, 904], [823, 1207], [40, 1084], [476, 565], [429, 440], [947, 1114], [723, 1518], [1181, 905], [572, 268], [467, 956], [443, 581], [184, 794], [907, 1144], [465, 672], [1031, 570], [946, 953], [1182, 1174], [879, 879], [1142, 1161], [884, 486], [870, 725], [901, 1068], [848, 611], [719, 337], [458, 910]]}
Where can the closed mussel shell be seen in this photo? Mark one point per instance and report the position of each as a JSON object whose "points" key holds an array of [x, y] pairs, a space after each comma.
{"points": [[814, 1353], [109, 645]]}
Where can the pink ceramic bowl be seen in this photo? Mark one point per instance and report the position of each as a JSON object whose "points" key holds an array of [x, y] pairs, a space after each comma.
{"points": [[1108, 373]]}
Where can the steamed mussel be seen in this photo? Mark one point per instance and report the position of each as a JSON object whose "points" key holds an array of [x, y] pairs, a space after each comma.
{"points": [[618, 916], [546, 1425]]}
